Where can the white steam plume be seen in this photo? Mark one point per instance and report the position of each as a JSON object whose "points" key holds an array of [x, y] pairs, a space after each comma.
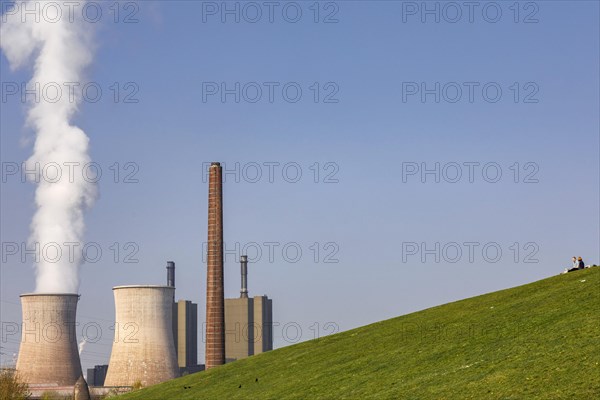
{"points": [[62, 51], [82, 345]]}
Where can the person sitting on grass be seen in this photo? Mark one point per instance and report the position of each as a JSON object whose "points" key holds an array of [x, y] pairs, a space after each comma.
{"points": [[580, 263], [575, 266]]}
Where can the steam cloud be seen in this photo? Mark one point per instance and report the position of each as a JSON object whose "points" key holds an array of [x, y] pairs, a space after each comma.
{"points": [[62, 51]]}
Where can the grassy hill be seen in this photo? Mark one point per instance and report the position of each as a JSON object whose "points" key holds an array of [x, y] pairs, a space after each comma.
{"points": [[537, 341]]}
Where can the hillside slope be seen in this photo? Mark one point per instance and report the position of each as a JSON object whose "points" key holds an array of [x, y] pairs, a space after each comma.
{"points": [[537, 341]]}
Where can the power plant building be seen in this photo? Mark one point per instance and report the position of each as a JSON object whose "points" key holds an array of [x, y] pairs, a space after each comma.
{"points": [[185, 329], [248, 322], [186, 333], [97, 375], [263, 324], [248, 327]]}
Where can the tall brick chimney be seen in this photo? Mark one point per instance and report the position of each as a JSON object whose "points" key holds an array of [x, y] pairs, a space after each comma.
{"points": [[215, 296]]}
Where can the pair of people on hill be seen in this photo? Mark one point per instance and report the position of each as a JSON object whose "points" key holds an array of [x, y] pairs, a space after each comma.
{"points": [[577, 264]]}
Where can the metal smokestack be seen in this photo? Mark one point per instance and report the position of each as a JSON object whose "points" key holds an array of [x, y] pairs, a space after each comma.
{"points": [[170, 273], [244, 270], [215, 294]]}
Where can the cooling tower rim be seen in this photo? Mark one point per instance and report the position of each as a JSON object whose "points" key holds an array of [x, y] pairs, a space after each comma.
{"points": [[142, 287], [49, 294]]}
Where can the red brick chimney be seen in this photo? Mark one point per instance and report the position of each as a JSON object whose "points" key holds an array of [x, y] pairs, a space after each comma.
{"points": [[215, 296]]}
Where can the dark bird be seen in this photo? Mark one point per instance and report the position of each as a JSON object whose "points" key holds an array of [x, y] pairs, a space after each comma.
{"points": [[256, 380], [239, 387]]}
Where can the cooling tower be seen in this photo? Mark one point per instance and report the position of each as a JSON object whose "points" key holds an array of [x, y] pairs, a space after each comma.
{"points": [[215, 295], [48, 354], [143, 349]]}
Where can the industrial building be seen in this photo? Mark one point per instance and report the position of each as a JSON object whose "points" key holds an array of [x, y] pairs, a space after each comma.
{"points": [[185, 336], [248, 322], [97, 375], [185, 329]]}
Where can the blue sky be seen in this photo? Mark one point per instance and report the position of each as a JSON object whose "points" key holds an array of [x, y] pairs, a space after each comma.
{"points": [[368, 135]]}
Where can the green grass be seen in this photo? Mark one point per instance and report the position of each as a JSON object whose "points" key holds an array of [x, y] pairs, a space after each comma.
{"points": [[537, 341]]}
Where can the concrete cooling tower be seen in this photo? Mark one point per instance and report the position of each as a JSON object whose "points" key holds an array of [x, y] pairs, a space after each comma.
{"points": [[48, 354], [143, 350]]}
